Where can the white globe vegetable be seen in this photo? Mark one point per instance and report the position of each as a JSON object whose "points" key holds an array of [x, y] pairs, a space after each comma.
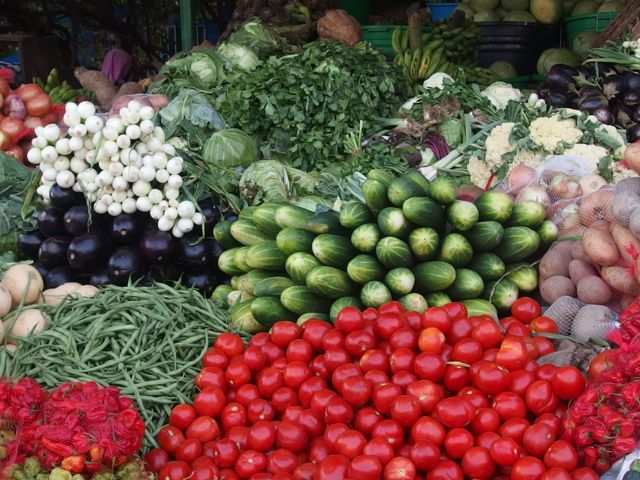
{"points": [[51, 132], [109, 133], [34, 155], [86, 109], [75, 144], [77, 165], [105, 178], [155, 196], [146, 112], [147, 173], [116, 169], [176, 232], [77, 187], [49, 173], [141, 188], [107, 199], [93, 123], [63, 147], [185, 224], [65, 179], [116, 123], [171, 194], [80, 130], [155, 212], [49, 154], [170, 150], [81, 154], [197, 219], [100, 207], [123, 141], [173, 203], [119, 196], [158, 132], [41, 189], [71, 119], [114, 209], [146, 127], [39, 142], [130, 173], [61, 163], [120, 184], [104, 164], [142, 148], [70, 107], [159, 160], [154, 144], [186, 209], [129, 205], [143, 204], [163, 205], [123, 112], [171, 213], [162, 176], [109, 147], [132, 117], [174, 166], [133, 132], [165, 224], [147, 160], [174, 182]]}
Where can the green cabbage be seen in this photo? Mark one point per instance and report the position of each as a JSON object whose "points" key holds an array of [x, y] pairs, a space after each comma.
{"points": [[239, 56], [451, 130], [258, 37], [270, 180], [230, 148], [201, 68]]}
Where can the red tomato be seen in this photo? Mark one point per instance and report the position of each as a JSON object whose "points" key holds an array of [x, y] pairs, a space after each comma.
{"points": [[487, 333], [334, 357], [541, 398], [211, 377], [260, 409], [427, 393], [431, 340], [383, 395], [455, 378], [405, 410], [477, 398], [401, 359], [486, 420], [283, 333], [281, 461], [209, 402], [170, 438], [227, 474], [379, 448], [156, 459], [446, 470], [399, 468], [527, 468], [514, 428], [512, 354], [370, 314], [505, 451], [424, 455], [225, 453], [349, 320], [556, 474], [247, 394], [262, 436], [552, 420], [182, 415], [603, 361], [333, 339], [334, 467], [204, 429], [509, 405], [387, 323], [249, 463], [390, 430], [269, 380], [460, 328], [414, 320], [584, 473], [299, 350], [525, 309], [358, 342], [356, 390], [233, 415], [338, 411], [308, 388], [313, 330], [561, 454], [364, 467], [456, 310], [238, 373], [350, 443], [188, 450], [490, 378], [467, 350], [215, 357], [546, 372], [428, 428], [365, 419], [477, 463], [544, 345], [318, 449], [230, 344], [320, 399], [404, 338], [518, 329], [305, 471], [486, 439], [543, 324], [455, 411], [392, 307], [291, 436], [254, 359], [436, 317], [429, 366], [520, 381], [538, 438], [175, 470], [403, 379], [311, 422], [457, 441], [568, 382], [374, 359]]}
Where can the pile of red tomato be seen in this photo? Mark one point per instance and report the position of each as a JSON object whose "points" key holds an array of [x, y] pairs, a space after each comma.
{"points": [[381, 394]]}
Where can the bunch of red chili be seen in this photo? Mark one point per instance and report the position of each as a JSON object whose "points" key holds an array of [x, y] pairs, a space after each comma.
{"points": [[80, 427]]}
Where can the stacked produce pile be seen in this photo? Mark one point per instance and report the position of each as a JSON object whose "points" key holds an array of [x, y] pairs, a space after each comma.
{"points": [[385, 393], [411, 240]]}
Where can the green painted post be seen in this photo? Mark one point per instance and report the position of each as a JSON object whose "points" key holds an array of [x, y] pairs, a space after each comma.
{"points": [[187, 24]]}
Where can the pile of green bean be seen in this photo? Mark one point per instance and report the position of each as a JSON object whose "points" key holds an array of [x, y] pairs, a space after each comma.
{"points": [[147, 341]]}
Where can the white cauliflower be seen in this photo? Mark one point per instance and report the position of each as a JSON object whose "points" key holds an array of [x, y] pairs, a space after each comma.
{"points": [[620, 172], [589, 155], [549, 132], [437, 81], [499, 94], [408, 105], [478, 171], [497, 144], [529, 158]]}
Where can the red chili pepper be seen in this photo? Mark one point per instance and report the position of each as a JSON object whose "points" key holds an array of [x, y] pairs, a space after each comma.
{"points": [[60, 449], [96, 453], [583, 437], [626, 428], [590, 456], [622, 446], [74, 464]]}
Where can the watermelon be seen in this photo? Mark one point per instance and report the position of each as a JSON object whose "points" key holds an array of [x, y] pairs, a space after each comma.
{"points": [[413, 302], [291, 240], [548, 233], [393, 252], [264, 217], [330, 282], [527, 214], [485, 236], [301, 300], [495, 206], [293, 216], [393, 223], [226, 263], [424, 243], [380, 175], [272, 286], [433, 276], [364, 268], [247, 233], [333, 250], [269, 310], [456, 250], [400, 281], [403, 188], [488, 265], [437, 299], [366, 237], [299, 265], [266, 256], [375, 195], [342, 302], [354, 214], [468, 284], [518, 243], [443, 190], [375, 294], [501, 293], [462, 215], [424, 212], [222, 233]]}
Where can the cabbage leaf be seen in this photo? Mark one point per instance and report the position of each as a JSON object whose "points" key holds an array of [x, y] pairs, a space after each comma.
{"points": [[230, 148]]}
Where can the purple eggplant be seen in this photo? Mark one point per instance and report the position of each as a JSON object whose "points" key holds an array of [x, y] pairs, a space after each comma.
{"points": [[558, 99], [635, 114], [85, 252], [631, 98], [604, 115], [126, 228], [123, 264], [53, 252], [590, 104], [633, 81], [29, 244], [59, 276], [100, 278], [633, 133], [559, 77], [614, 86], [51, 223], [156, 247], [204, 282]]}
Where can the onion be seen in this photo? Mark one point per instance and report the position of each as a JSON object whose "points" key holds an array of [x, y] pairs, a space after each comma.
{"points": [[39, 105], [519, 177], [27, 91], [562, 186], [632, 156], [534, 193], [12, 127], [591, 183], [14, 107], [51, 117], [4, 87], [5, 141], [33, 122], [468, 193]]}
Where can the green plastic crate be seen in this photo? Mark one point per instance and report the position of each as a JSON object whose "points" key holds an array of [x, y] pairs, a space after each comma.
{"points": [[380, 36], [525, 81], [594, 22], [359, 9]]}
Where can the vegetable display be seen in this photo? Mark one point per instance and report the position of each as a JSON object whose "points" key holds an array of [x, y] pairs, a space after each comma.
{"points": [[382, 393], [411, 240]]}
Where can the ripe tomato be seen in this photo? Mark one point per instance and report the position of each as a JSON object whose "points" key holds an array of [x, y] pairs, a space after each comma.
{"points": [[313, 330], [527, 468], [568, 382], [291, 436], [305, 471], [538, 438], [215, 357], [269, 380], [383, 395], [342, 373], [175, 470], [156, 459], [260, 409], [247, 394], [391, 307], [211, 377], [457, 441], [262, 436], [230, 344], [203, 429], [460, 328], [311, 422], [318, 449], [509, 405], [390, 430], [188, 450], [543, 324], [399, 468], [404, 338], [456, 310], [556, 474], [584, 473], [525, 309], [225, 453], [374, 359], [273, 352], [320, 399], [431, 340], [518, 329], [170, 438], [203, 470], [349, 320], [486, 420], [428, 428], [427, 393], [403, 379], [364, 467], [338, 411], [520, 381], [358, 342], [182, 415], [209, 402], [333, 339], [512, 354], [281, 461], [424, 455], [477, 398], [561, 454], [477, 463], [487, 333], [334, 357], [603, 361], [233, 415], [249, 463], [546, 372], [429, 366], [401, 359], [227, 474], [455, 378], [414, 320], [436, 317], [540, 397], [283, 333], [387, 323], [514, 428], [505, 451], [490, 378], [544, 346], [446, 470], [365, 419], [334, 467], [350, 443], [356, 390], [405, 410], [308, 388], [455, 411], [486, 439], [552, 420], [467, 350], [379, 448], [299, 350]]}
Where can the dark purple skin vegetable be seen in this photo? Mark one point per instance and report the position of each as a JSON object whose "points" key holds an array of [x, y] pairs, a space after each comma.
{"points": [[614, 85], [123, 264], [558, 99], [156, 247], [29, 244], [202, 281], [631, 98], [76, 220], [85, 252], [604, 115], [559, 77], [210, 212], [602, 70], [154, 275], [100, 278], [193, 254], [64, 198], [633, 81], [59, 276], [590, 104], [586, 72], [126, 228], [53, 252], [42, 270], [622, 113], [231, 216], [214, 249], [51, 222], [633, 133], [635, 114], [590, 92]]}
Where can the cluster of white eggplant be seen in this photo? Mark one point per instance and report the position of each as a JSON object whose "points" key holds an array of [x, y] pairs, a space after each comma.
{"points": [[121, 165]]}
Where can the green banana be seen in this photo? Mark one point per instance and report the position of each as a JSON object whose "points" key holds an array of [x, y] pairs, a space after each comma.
{"points": [[396, 42], [404, 44], [433, 44], [436, 61]]}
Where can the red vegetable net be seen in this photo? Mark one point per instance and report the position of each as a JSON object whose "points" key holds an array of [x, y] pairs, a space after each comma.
{"points": [[81, 427]]}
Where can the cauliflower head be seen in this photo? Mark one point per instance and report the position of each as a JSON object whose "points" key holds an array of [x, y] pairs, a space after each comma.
{"points": [[437, 80], [497, 144], [589, 155], [479, 172], [550, 132], [529, 158], [500, 93]]}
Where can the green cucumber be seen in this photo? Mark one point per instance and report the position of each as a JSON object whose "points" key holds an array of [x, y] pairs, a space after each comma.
{"points": [[495, 206], [252, 278], [220, 294], [479, 306], [375, 195], [462, 215], [266, 256], [443, 190], [403, 188], [366, 237], [488, 265], [374, 294], [383, 176], [424, 212], [424, 243], [293, 216], [330, 282], [272, 286], [247, 213], [437, 299], [364, 268], [501, 293], [305, 317], [340, 303], [548, 233], [241, 318], [299, 265], [420, 179], [354, 214], [269, 310], [292, 240], [240, 259], [485, 236], [414, 302], [400, 281], [527, 214], [222, 233], [393, 252], [247, 233], [524, 276], [393, 223], [299, 299], [468, 284], [518, 243], [265, 218], [433, 276], [326, 222], [226, 263], [456, 250], [333, 250]]}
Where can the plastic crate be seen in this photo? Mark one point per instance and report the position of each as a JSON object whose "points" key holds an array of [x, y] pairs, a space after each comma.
{"points": [[525, 81], [380, 36], [594, 22]]}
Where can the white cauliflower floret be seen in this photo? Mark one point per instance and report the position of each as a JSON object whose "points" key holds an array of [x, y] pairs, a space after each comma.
{"points": [[497, 144], [529, 158], [549, 132], [499, 94], [589, 155], [478, 171], [620, 172], [437, 81]]}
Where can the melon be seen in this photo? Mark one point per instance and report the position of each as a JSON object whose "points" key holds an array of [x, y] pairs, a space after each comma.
{"points": [[611, 6], [519, 16], [513, 5], [584, 6], [466, 9], [483, 5], [555, 56], [546, 11], [583, 42], [503, 69], [486, 17]]}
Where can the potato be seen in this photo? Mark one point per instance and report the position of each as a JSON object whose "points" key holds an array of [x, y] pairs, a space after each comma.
{"points": [[574, 231], [634, 222], [563, 310], [578, 269], [600, 247], [628, 244], [555, 262], [621, 280], [593, 321], [624, 203], [555, 287], [578, 253], [592, 289], [29, 322], [23, 281], [5, 301], [595, 206], [603, 225], [592, 183], [87, 291]]}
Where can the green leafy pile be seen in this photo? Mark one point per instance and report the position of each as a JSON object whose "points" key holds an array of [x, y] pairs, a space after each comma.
{"points": [[201, 69], [303, 106]]}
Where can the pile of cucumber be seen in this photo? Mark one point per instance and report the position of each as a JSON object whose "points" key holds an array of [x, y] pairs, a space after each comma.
{"points": [[412, 240]]}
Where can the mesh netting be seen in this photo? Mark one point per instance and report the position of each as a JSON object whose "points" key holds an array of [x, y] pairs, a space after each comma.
{"points": [[569, 352]]}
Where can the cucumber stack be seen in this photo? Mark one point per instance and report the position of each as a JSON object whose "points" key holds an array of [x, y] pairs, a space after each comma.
{"points": [[411, 240]]}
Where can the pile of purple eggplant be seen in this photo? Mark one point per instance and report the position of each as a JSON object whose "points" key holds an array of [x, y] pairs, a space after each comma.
{"points": [[612, 96]]}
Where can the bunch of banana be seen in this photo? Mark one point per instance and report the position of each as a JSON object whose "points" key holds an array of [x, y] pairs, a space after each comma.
{"points": [[461, 42], [482, 76], [58, 92]]}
